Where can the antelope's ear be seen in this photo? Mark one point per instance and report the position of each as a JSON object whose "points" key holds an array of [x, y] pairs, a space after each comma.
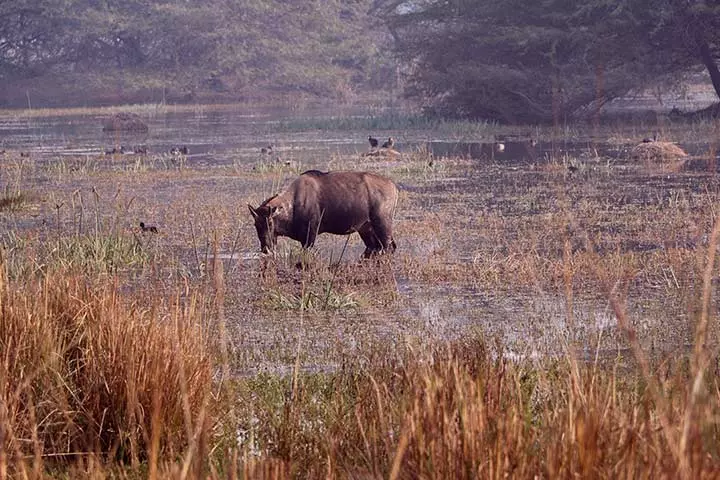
{"points": [[253, 211]]}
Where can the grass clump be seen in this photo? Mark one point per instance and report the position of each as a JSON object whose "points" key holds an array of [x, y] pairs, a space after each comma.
{"points": [[86, 373], [301, 280], [277, 165], [13, 200], [309, 300], [14, 171], [76, 165], [464, 411], [386, 122], [104, 253]]}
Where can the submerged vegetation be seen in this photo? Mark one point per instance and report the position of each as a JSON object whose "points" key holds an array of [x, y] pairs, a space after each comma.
{"points": [[388, 121], [549, 316]]}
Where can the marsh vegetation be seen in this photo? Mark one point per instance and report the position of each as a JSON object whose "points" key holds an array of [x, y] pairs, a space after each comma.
{"points": [[549, 313]]}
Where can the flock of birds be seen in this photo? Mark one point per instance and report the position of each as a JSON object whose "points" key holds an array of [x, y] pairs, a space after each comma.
{"points": [[143, 150], [374, 142]]}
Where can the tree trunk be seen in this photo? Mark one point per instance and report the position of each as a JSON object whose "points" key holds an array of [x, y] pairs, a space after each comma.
{"points": [[710, 64]]}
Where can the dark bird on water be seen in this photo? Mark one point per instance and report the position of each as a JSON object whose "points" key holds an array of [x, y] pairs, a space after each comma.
{"points": [[148, 228], [373, 141], [184, 150], [648, 140], [266, 150], [389, 144]]}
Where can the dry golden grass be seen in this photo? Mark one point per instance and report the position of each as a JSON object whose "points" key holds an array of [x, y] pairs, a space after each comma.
{"points": [[461, 412], [84, 374], [657, 152]]}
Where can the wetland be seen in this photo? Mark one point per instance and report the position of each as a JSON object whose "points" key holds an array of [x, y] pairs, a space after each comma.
{"points": [[483, 235], [557, 245]]}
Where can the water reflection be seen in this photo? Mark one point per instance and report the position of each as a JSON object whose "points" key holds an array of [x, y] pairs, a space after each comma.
{"points": [[520, 151], [214, 136], [220, 137]]}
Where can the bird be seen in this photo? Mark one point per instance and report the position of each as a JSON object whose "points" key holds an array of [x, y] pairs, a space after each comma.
{"points": [[373, 141], [179, 151], [648, 140], [267, 150], [389, 144], [500, 147], [675, 112], [148, 228]]}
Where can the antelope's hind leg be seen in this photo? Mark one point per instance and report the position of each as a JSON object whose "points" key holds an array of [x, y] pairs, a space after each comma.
{"points": [[382, 228], [372, 243]]}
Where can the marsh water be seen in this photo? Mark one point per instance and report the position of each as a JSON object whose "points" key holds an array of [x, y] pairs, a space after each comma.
{"points": [[532, 323], [216, 137]]}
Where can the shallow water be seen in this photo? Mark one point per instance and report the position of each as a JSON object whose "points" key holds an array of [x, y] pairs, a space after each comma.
{"points": [[212, 137], [224, 137]]}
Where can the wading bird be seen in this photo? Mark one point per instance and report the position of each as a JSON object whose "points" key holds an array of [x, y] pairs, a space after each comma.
{"points": [[178, 151], [148, 228]]}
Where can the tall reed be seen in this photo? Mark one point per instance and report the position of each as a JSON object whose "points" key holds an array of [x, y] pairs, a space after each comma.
{"points": [[87, 373]]}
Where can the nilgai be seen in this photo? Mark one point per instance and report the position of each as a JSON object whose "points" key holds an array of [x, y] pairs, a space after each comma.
{"points": [[334, 202]]}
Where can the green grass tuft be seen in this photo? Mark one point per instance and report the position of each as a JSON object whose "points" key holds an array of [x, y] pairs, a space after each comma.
{"points": [[110, 253]]}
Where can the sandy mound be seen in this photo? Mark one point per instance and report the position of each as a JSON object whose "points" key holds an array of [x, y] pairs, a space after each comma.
{"points": [[126, 122], [382, 152], [657, 151]]}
